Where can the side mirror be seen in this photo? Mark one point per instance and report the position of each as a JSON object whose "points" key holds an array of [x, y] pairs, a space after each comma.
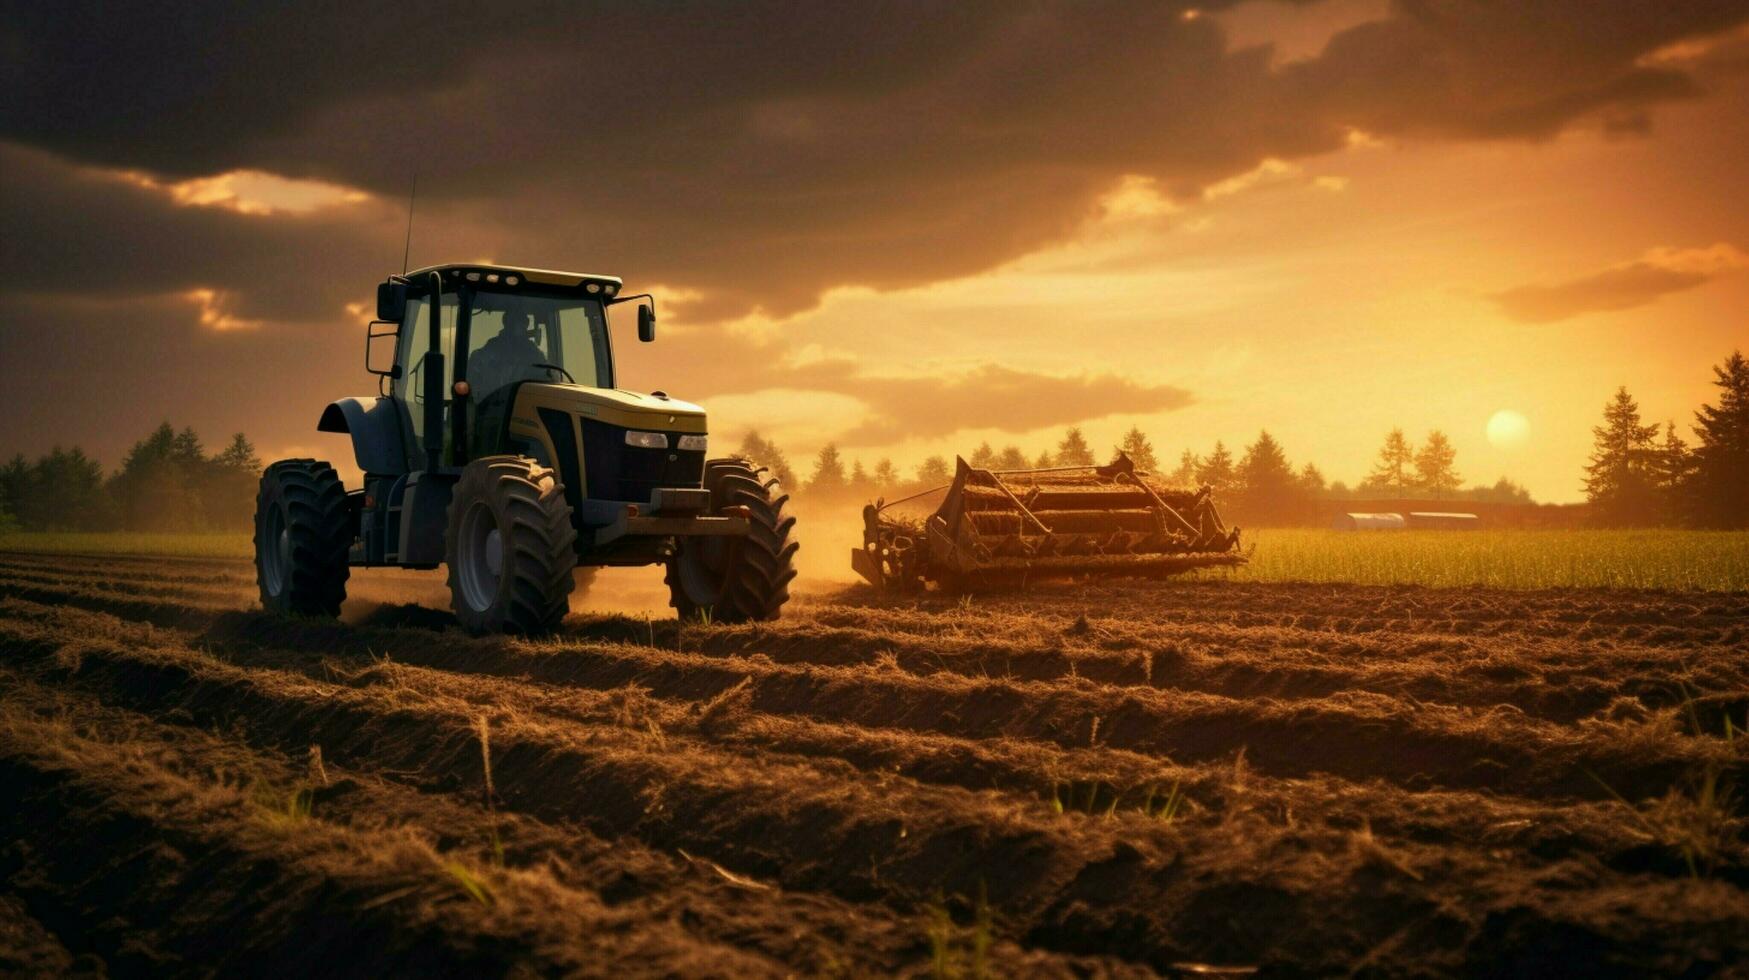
{"points": [[379, 357], [391, 301], [647, 323]]}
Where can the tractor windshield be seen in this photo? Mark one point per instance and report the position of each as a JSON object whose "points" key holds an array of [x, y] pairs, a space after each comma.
{"points": [[529, 337]]}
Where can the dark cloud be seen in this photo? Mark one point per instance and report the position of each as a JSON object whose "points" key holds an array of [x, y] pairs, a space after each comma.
{"points": [[1620, 287], [762, 152]]}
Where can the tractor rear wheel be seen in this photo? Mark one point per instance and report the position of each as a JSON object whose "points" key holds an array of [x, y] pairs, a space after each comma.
{"points": [[302, 534], [510, 547], [736, 580]]}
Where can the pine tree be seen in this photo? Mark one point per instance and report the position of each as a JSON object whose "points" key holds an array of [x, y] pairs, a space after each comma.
{"points": [[1673, 469], [1620, 481], [240, 456], [859, 482], [14, 483], [1311, 480], [933, 472], [1434, 469], [983, 457], [1391, 472], [158, 486], [1720, 496], [186, 447], [1217, 469], [1073, 450], [886, 477], [1188, 465], [1266, 481], [62, 491], [1044, 460], [1136, 446], [828, 471], [765, 453], [1011, 458]]}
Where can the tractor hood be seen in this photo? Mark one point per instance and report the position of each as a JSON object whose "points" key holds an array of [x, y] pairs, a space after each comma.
{"points": [[614, 406]]}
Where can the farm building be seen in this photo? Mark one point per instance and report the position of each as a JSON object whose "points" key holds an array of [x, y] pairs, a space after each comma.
{"points": [[1427, 520], [1369, 522]]}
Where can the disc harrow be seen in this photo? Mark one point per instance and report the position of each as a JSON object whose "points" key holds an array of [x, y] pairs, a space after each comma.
{"points": [[1003, 526]]}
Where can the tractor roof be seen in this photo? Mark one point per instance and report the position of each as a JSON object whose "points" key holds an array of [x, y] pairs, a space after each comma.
{"points": [[511, 275]]}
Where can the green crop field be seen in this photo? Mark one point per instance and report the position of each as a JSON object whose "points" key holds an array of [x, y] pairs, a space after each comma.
{"points": [[1652, 559], [1649, 559]]}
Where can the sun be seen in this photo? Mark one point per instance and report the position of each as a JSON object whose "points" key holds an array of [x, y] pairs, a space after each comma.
{"points": [[1508, 429]]}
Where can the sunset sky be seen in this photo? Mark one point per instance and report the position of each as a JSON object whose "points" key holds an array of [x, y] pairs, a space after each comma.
{"points": [[906, 227]]}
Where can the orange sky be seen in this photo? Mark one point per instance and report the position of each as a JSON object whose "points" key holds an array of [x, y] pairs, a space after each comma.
{"points": [[1518, 235]]}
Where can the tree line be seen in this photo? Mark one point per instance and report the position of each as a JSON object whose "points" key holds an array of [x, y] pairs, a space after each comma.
{"points": [[1259, 486], [1638, 474], [1642, 474], [167, 482]]}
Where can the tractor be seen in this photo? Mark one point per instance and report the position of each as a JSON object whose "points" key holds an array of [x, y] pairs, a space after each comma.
{"points": [[500, 446]]}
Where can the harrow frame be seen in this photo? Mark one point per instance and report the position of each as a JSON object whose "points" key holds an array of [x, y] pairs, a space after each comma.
{"points": [[1002, 526]]}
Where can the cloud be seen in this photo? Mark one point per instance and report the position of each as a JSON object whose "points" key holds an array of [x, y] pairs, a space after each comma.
{"points": [[994, 397], [1621, 287], [764, 153]]}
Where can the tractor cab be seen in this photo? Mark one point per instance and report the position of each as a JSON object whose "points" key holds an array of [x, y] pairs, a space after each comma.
{"points": [[499, 430]]}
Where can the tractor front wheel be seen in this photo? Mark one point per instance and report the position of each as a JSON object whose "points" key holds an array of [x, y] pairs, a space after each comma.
{"points": [[510, 547], [302, 533], [735, 580]]}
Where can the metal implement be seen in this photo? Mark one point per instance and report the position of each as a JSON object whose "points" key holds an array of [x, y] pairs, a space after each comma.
{"points": [[1002, 526]]}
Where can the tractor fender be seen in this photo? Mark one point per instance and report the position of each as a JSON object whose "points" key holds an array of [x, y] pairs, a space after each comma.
{"points": [[375, 426]]}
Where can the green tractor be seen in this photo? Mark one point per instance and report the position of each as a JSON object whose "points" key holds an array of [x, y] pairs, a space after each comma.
{"points": [[500, 446]]}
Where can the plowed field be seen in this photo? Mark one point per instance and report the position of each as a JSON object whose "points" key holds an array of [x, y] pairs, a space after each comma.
{"points": [[1116, 779]]}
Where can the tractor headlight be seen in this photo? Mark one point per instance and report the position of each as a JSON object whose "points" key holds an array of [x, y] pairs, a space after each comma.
{"points": [[693, 443], [647, 440]]}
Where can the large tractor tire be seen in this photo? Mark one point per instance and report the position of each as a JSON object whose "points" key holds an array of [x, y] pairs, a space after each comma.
{"points": [[302, 534], [736, 580], [510, 547]]}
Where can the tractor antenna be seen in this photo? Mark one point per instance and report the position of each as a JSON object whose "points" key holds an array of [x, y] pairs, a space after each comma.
{"points": [[412, 198]]}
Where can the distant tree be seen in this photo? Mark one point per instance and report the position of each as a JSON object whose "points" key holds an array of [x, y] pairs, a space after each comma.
{"points": [[1435, 472], [1011, 458], [859, 482], [1672, 476], [1392, 471], [1136, 446], [1507, 492], [1268, 491], [1044, 460], [765, 453], [933, 472], [983, 457], [1311, 480], [185, 447], [828, 471], [14, 483], [1620, 481], [158, 488], [1720, 494], [1073, 450], [62, 491], [227, 483], [1340, 491], [1188, 466], [239, 455], [886, 477], [1216, 470]]}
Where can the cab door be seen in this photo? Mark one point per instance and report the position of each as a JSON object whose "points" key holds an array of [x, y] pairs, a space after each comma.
{"points": [[409, 387]]}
